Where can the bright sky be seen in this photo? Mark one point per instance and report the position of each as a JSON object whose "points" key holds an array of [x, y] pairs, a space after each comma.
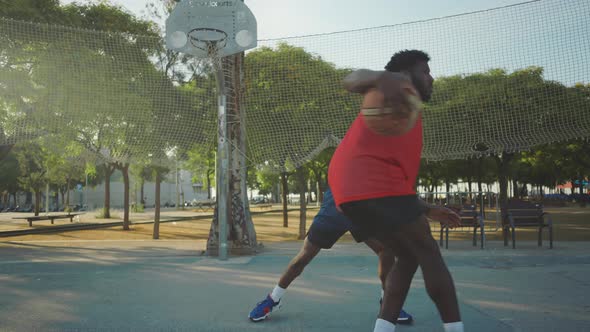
{"points": [[285, 18], [549, 33]]}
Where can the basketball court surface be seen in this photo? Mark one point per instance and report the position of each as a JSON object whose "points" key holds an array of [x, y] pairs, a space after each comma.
{"points": [[168, 286]]}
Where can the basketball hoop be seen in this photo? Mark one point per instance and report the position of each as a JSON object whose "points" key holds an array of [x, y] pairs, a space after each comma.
{"points": [[210, 40], [211, 29]]}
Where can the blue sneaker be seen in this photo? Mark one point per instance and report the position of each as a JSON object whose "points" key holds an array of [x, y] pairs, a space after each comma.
{"points": [[263, 309], [404, 318]]}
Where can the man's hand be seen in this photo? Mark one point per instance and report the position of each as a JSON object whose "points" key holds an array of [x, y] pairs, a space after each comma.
{"points": [[395, 87], [398, 90], [444, 216]]}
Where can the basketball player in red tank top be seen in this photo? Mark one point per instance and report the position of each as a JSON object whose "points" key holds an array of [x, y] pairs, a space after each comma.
{"points": [[373, 181]]}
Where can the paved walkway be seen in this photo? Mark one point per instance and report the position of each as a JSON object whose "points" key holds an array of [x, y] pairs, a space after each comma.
{"points": [[166, 286]]}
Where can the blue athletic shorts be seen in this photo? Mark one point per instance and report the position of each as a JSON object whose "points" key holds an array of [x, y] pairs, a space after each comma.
{"points": [[328, 225]]}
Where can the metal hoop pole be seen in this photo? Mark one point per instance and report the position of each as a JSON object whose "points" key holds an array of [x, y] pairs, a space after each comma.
{"points": [[222, 164]]}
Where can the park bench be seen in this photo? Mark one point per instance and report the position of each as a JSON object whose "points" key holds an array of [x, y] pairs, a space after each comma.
{"points": [[470, 218], [204, 205], [50, 217], [517, 213], [262, 205]]}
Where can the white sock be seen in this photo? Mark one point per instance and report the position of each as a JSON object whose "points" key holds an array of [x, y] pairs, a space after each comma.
{"points": [[277, 293], [453, 327], [381, 325]]}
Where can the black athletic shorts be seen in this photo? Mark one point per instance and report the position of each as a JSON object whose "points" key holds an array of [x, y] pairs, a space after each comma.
{"points": [[381, 216]]}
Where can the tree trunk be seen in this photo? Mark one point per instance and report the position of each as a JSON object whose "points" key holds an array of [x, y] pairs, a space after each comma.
{"points": [[37, 201], [67, 201], [156, 232], [141, 190], [573, 189], [320, 194], [479, 180], [125, 170], [108, 171], [515, 191], [241, 235], [524, 190], [302, 202], [209, 174], [503, 162], [284, 191], [63, 198], [276, 192]]}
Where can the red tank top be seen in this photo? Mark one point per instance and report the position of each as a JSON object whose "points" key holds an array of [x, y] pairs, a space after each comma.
{"points": [[368, 165]]}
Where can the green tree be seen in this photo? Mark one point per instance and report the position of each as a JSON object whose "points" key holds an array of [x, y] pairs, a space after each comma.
{"points": [[501, 113], [301, 175], [539, 167], [430, 175], [158, 172], [571, 160], [65, 163], [75, 70], [141, 172], [285, 88], [318, 168], [9, 173], [267, 181], [32, 165], [201, 163]]}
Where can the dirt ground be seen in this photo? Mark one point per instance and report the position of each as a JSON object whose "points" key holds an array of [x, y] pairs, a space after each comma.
{"points": [[570, 224]]}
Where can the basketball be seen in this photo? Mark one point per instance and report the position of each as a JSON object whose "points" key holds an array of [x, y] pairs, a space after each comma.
{"points": [[393, 119]]}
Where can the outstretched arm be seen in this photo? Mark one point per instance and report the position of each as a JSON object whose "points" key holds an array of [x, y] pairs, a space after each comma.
{"points": [[397, 88], [441, 214], [361, 80]]}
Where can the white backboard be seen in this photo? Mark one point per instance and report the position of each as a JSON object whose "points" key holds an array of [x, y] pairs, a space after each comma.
{"points": [[196, 25]]}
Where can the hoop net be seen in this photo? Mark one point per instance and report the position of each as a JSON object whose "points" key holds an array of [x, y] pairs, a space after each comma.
{"points": [[208, 40]]}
